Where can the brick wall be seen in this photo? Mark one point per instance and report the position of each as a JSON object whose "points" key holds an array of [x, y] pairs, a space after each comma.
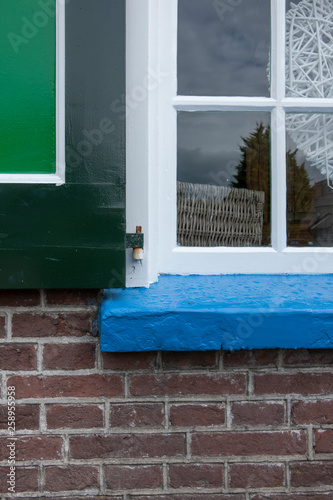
{"points": [[157, 426]]}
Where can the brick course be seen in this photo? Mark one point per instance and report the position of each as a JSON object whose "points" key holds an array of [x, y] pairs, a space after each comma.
{"points": [[244, 425]]}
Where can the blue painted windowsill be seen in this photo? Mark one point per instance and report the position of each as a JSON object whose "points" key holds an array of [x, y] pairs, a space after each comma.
{"points": [[197, 313]]}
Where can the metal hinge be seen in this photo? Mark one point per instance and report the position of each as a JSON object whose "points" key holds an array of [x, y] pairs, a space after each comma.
{"points": [[135, 241]]}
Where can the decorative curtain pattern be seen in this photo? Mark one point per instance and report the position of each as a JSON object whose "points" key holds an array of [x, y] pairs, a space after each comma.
{"points": [[309, 73]]}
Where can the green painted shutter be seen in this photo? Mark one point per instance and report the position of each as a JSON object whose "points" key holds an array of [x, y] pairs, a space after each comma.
{"points": [[73, 235]]}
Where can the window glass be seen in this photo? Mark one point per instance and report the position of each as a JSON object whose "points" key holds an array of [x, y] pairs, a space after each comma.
{"points": [[310, 179], [223, 47], [309, 54], [223, 179]]}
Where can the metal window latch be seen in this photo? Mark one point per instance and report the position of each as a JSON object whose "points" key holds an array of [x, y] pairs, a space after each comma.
{"points": [[135, 241]]}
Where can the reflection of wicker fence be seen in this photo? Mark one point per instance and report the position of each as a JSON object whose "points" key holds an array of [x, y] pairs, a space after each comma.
{"points": [[211, 216]]}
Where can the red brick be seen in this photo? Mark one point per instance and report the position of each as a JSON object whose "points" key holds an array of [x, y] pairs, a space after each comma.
{"points": [[248, 413], [323, 441], [204, 414], [73, 477], [89, 386], [131, 477], [129, 360], [256, 475], [296, 496], [255, 358], [312, 412], [52, 325], [249, 443], [136, 415], [127, 445], [19, 298], [191, 496], [104, 497], [195, 476], [298, 383], [72, 297], [174, 384], [18, 357], [69, 356], [33, 447], [26, 417], [26, 479], [312, 474], [197, 359], [312, 357], [2, 327], [73, 416]]}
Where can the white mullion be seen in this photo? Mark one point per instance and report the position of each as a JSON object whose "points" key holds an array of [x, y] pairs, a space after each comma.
{"points": [[278, 78], [278, 129], [278, 180]]}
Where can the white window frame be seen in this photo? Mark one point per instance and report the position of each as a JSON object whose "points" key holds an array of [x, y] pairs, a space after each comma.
{"points": [[152, 154], [58, 177]]}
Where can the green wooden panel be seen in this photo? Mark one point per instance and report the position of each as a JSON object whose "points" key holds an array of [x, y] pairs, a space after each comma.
{"points": [[27, 86], [73, 236]]}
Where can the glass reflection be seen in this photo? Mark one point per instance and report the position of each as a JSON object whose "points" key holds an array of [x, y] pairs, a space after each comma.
{"points": [[224, 179], [309, 179], [223, 49]]}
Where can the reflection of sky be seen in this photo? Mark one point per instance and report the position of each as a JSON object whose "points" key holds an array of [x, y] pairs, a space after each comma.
{"points": [[223, 53], [208, 144]]}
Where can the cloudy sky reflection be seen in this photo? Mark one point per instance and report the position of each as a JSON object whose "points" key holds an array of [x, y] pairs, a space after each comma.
{"points": [[208, 144], [223, 52]]}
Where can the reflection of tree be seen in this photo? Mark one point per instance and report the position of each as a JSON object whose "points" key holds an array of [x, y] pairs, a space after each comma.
{"points": [[253, 172], [299, 195]]}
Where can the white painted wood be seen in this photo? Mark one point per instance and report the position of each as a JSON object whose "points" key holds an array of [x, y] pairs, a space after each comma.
{"points": [[278, 130], [221, 103], [307, 105], [167, 135], [142, 123], [248, 261], [31, 179], [59, 177]]}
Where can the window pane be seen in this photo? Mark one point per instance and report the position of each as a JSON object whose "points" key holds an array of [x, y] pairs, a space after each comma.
{"points": [[223, 47], [310, 179], [223, 179], [309, 53]]}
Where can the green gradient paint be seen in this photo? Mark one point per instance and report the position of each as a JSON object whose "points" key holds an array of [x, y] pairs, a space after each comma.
{"points": [[27, 86]]}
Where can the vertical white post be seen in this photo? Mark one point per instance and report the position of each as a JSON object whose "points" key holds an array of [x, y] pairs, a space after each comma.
{"points": [[167, 138], [278, 128]]}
